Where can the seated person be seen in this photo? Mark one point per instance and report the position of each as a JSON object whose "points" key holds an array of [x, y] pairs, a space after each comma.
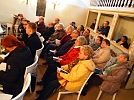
{"points": [[72, 54], [93, 24], [56, 21], [16, 22], [59, 51], [24, 36], [123, 42], [40, 24], [16, 62], [102, 55], [78, 72], [59, 31], [80, 28], [73, 24], [86, 34], [61, 41], [104, 29], [48, 31], [97, 43], [20, 27], [33, 41], [67, 58], [112, 77], [64, 48]]}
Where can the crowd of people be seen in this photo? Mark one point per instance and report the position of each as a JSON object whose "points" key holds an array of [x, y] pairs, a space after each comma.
{"points": [[73, 51]]}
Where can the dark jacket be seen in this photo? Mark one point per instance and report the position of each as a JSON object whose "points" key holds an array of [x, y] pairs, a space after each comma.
{"points": [[92, 26], [40, 26], [33, 43], [64, 48], [56, 35], [47, 32], [64, 38], [104, 31], [112, 81], [95, 45], [13, 78], [125, 44]]}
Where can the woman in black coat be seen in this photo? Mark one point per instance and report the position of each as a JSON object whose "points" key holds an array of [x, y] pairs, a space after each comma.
{"points": [[18, 59]]}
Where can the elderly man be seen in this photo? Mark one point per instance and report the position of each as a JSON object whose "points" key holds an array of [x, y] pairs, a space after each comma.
{"points": [[40, 24], [104, 29], [33, 41], [56, 21]]}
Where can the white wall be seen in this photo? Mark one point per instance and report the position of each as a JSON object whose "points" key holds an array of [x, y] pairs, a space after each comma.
{"points": [[66, 12], [10, 7]]}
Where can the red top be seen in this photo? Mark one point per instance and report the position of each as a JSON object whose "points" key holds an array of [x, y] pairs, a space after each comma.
{"points": [[70, 56]]}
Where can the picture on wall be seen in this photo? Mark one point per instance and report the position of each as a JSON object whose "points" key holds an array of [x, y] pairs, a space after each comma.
{"points": [[41, 8]]}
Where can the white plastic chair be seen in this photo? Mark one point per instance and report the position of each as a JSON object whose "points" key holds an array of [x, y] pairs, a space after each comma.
{"points": [[79, 92], [42, 39], [27, 82], [101, 93], [38, 33], [31, 68], [38, 52]]}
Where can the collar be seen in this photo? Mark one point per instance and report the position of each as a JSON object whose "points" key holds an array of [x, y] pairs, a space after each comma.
{"points": [[77, 46]]}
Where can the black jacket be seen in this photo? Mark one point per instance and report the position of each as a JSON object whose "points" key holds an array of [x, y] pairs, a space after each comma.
{"points": [[47, 32], [104, 31], [124, 44], [13, 78], [64, 48], [33, 43]]}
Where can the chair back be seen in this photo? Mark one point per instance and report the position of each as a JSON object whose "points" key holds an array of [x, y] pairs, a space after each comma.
{"points": [[42, 39], [110, 62], [85, 83], [38, 52], [30, 68], [27, 82], [79, 92]]}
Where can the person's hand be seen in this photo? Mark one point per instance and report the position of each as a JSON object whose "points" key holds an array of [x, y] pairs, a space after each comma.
{"points": [[55, 51], [58, 45], [100, 75], [58, 60], [58, 75], [50, 42]]}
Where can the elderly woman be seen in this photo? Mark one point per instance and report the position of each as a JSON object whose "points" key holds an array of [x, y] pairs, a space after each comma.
{"points": [[78, 72], [102, 55], [18, 59], [67, 58], [112, 76]]}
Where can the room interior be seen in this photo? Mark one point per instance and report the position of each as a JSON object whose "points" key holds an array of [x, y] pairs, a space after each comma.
{"points": [[119, 13]]}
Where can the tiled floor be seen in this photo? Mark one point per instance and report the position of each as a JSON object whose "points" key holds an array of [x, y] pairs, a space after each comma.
{"points": [[92, 93]]}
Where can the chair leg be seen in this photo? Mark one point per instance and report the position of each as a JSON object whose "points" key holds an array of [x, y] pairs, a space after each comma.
{"points": [[78, 97], [114, 96], [30, 89], [99, 95], [59, 94]]}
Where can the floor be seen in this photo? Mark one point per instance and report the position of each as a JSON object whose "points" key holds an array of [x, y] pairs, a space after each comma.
{"points": [[91, 95]]}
